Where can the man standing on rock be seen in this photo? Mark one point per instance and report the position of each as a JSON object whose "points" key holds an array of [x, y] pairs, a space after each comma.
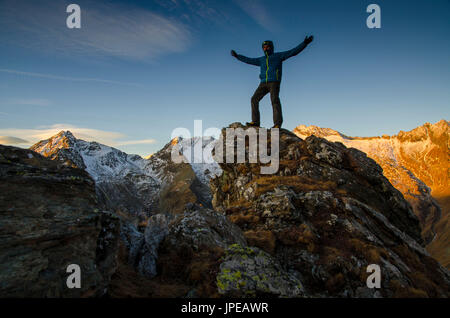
{"points": [[271, 71]]}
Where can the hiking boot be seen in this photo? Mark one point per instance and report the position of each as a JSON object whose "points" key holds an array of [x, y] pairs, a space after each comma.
{"points": [[276, 126], [252, 124]]}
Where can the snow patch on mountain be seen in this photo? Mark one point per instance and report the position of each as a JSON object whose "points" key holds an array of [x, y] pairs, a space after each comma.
{"points": [[198, 152], [106, 164], [100, 161]]}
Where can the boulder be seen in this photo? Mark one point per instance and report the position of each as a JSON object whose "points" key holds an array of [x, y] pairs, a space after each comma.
{"points": [[49, 219]]}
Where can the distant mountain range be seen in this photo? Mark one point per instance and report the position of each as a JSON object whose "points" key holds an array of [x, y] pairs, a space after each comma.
{"points": [[416, 163], [155, 228], [131, 185]]}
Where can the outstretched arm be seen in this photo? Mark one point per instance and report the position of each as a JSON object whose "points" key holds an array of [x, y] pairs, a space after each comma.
{"points": [[287, 54], [242, 58]]}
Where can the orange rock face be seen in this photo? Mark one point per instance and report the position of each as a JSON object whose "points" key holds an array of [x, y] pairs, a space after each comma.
{"points": [[417, 164]]}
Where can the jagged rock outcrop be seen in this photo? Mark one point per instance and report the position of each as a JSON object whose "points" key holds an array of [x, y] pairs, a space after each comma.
{"points": [[181, 252], [416, 164], [325, 215], [143, 247], [49, 219], [192, 250], [202, 228], [184, 182], [197, 228]]}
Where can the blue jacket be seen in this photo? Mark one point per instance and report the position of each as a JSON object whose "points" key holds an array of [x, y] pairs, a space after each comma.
{"points": [[271, 64]]}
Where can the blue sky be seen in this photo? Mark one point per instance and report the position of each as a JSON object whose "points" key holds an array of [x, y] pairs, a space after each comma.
{"points": [[136, 70]]}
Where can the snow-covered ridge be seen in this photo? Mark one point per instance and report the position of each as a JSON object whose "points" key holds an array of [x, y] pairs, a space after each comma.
{"points": [[99, 160], [129, 183], [203, 164], [423, 150], [103, 162]]}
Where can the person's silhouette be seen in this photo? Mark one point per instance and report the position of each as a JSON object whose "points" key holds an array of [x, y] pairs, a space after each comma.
{"points": [[271, 71]]}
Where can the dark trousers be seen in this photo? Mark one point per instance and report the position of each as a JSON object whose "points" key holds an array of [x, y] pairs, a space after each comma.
{"points": [[261, 91]]}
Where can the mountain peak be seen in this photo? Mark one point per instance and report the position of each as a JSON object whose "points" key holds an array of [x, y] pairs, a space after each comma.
{"points": [[304, 131], [62, 140], [440, 126], [64, 136], [439, 130], [442, 122], [65, 133], [175, 141]]}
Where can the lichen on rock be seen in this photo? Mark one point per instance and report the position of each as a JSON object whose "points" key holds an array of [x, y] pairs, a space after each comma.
{"points": [[251, 272]]}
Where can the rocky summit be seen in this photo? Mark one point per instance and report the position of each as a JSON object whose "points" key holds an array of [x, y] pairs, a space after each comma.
{"points": [[325, 216]]}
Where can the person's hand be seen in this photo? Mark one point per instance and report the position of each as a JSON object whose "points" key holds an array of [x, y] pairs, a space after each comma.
{"points": [[233, 53], [309, 39]]}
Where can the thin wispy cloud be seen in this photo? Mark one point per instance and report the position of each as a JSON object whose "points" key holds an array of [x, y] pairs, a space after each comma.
{"points": [[28, 137], [8, 140], [68, 78], [107, 29], [29, 101], [137, 142], [259, 13]]}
